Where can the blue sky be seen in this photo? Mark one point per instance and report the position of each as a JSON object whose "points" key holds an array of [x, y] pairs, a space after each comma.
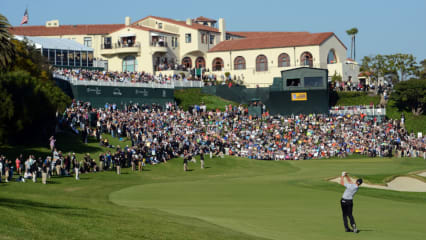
{"points": [[385, 26]]}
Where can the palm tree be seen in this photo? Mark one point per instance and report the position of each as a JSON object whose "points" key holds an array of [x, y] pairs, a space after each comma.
{"points": [[352, 32], [7, 48]]}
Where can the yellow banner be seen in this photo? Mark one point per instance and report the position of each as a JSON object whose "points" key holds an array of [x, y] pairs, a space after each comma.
{"points": [[300, 96]]}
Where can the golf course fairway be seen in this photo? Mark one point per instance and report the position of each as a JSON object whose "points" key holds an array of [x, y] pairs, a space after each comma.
{"points": [[233, 198], [287, 200]]}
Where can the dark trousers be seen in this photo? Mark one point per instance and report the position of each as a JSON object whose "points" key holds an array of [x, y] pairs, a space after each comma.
{"points": [[347, 206]]}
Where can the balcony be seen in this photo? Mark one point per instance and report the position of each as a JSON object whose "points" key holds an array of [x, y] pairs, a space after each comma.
{"points": [[117, 48], [160, 47]]}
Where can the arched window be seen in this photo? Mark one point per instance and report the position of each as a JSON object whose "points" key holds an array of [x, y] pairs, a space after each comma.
{"points": [[239, 63], [331, 57], [306, 59], [187, 62], [129, 64], [200, 62], [283, 60], [217, 64], [261, 63]]}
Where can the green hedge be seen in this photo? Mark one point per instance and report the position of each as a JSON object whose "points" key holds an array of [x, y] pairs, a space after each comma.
{"points": [[355, 98], [193, 96]]}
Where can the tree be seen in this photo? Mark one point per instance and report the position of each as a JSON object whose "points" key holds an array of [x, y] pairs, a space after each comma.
{"points": [[28, 107], [29, 99], [375, 65], [365, 64], [336, 77], [29, 59], [7, 49], [398, 66], [366, 67], [352, 32], [411, 95], [421, 71], [402, 65]]}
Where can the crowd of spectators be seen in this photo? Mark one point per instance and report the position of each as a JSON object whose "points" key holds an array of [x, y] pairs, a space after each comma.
{"points": [[60, 165], [122, 77], [158, 134], [348, 86], [142, 77], [235, 132]]}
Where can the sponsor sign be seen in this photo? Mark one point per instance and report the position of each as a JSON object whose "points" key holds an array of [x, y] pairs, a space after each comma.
{"points": [[300, 96]]}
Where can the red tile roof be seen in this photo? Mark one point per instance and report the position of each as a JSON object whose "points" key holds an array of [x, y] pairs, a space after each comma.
{"points": [[182, 23], [263, 34], [65, 30], [145, 29], [204, 19], [283, 39]]}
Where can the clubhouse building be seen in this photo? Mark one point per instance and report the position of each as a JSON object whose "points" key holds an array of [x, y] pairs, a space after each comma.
{"points": [[162, 45]]}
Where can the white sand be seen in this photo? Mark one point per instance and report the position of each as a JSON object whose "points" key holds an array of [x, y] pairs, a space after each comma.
{"points": [[402, 184], [423, 174]]}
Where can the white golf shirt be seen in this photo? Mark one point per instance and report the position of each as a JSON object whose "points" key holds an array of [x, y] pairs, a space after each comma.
{"points": [[350, 191]]}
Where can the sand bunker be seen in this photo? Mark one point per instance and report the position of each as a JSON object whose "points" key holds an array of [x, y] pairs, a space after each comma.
{"points": [[402, 184], [423, 174]]}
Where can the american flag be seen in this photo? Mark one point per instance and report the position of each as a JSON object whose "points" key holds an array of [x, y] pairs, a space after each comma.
{"points": [[25, 17]]}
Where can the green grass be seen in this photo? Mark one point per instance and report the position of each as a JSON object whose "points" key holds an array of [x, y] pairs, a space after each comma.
{"points": [[192, 96], [356, 98], [412, 123], [232, 198]]}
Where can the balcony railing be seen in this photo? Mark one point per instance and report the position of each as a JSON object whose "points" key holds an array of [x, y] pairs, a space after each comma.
{"points": [[120, 45], [158, 44]]}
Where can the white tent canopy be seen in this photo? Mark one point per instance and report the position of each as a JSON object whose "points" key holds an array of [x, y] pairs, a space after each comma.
{"points": [[55, 43]]}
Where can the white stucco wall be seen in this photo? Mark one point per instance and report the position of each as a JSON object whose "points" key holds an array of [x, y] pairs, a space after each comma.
{"points": [[339, 49], [250, 76], [195, 49]]}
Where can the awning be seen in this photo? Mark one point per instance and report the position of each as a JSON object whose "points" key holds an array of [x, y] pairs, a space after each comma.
{"points": [[55, 43], [128, 35]]}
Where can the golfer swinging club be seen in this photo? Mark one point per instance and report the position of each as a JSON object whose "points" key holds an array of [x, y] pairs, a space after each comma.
{"points": [[346, 201]]}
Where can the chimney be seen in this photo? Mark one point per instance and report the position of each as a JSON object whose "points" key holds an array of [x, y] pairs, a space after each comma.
{"points": [[188, 21], [52, 23], [222, 29], [127, 21]]}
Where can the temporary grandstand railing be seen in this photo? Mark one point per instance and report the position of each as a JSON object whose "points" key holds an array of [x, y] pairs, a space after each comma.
{"points": [[352, 111], [169, 84]]}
